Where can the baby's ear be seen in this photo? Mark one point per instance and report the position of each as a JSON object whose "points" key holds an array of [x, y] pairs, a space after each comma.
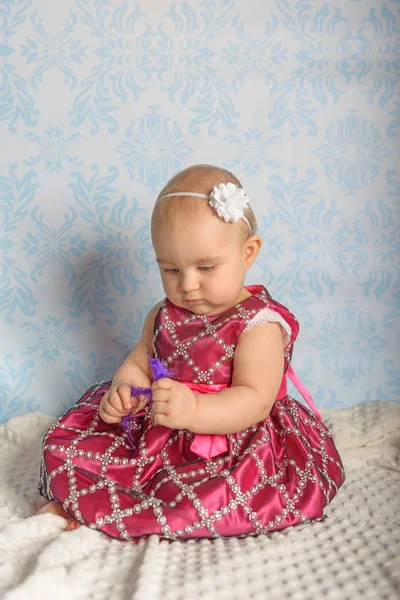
{"points": [[251, 249]]}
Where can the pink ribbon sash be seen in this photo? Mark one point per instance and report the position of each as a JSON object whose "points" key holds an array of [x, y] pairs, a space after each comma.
{"points": [[203, 444], [209, 445], [294, 378]]}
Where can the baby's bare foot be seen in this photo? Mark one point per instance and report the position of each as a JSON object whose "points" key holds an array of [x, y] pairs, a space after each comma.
{"points": [[55, 508]]}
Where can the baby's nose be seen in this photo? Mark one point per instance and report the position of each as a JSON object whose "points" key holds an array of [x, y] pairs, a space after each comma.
{"points": [[189, 283]]}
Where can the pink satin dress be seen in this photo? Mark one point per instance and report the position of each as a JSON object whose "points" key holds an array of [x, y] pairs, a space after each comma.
{"points": [[281, 472]]}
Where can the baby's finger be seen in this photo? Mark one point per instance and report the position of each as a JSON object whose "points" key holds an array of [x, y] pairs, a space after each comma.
{"points": [[161, 396], [141, 404], [104, 399], [161, 384], [161, 420], [113, 412], [115, 402], [124, 391], [109, 418], [160, 408]]}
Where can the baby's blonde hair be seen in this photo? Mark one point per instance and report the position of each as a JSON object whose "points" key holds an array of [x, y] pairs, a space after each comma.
{"points": [[201, 179]]}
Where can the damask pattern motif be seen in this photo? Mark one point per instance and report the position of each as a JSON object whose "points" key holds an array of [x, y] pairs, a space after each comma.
{"points": [[15, 195], [58, 51], [352, 153], [16, 101], [139, 149], [53, 149], [353, 343], [51, 338], [102, 102]]}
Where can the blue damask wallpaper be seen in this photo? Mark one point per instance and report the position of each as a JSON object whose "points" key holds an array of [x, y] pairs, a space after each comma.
{"points": [[102, 101]]}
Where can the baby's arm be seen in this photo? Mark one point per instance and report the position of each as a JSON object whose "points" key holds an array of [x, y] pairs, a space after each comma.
{"points": [[135, 370], [257, 376]]}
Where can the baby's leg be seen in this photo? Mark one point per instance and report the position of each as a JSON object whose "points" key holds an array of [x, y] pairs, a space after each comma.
{"points": [[55, 508]]}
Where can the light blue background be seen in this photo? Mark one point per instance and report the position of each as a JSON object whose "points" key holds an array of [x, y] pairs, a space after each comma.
{"points": [[101, 102]]}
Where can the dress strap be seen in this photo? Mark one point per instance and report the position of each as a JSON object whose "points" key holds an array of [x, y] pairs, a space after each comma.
{"points": [[302, 389]]}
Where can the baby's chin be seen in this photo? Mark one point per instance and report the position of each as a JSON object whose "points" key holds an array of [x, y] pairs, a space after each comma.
{"points": [[198, 308], [204, 309]]}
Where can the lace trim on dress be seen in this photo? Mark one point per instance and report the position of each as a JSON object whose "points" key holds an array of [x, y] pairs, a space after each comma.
{"points": [[267, 315]]}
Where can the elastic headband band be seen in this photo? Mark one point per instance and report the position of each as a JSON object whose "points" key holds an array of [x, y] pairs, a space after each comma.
{"points": [[220, 207]]}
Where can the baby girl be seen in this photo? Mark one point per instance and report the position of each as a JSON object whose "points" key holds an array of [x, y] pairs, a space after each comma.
{"points": [[219, 448]]}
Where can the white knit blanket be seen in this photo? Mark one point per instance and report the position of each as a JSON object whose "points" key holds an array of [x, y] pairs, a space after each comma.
{"points": [[352, 554]]}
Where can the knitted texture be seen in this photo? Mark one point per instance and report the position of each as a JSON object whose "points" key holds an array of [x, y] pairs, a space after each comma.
{"points": [[352, 554]]}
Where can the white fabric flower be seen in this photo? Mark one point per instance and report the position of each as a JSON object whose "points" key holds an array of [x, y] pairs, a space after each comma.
{"points": [[229, 201]]}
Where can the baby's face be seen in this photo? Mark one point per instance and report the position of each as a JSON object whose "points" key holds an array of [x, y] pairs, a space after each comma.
{"points": [[202, 263]]}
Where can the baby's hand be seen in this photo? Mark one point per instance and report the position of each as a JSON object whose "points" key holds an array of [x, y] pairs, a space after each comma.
{"points": [[117, 402], [174, 404]]}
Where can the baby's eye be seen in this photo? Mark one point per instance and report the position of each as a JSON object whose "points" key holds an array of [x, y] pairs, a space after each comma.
{"points": [[207, 268], [173, 271]]}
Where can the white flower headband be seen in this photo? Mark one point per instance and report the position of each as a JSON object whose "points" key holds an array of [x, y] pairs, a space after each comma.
{"points": [[227, 199]]}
